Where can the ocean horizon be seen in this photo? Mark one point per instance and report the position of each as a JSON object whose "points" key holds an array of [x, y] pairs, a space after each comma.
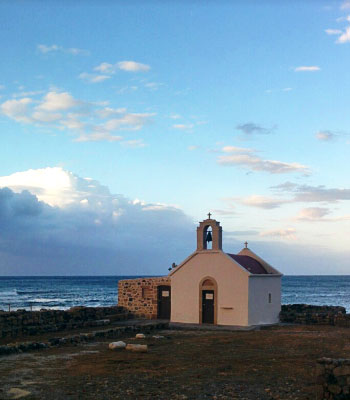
{"points": [[63, 292]]}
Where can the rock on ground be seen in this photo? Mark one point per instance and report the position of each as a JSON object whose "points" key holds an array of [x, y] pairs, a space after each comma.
{"points": [[117, 345]]}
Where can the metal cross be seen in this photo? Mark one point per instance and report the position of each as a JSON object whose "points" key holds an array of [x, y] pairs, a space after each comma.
{"points": [[246, 244], [209, 215]]}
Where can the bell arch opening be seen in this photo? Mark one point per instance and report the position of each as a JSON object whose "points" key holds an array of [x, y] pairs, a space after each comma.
{"points": [[209, 235]]}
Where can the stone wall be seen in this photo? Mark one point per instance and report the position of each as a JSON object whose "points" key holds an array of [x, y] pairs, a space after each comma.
{"points": [[111, 333], [316, 315], [333, 379], [21, 322], [139, 296]]}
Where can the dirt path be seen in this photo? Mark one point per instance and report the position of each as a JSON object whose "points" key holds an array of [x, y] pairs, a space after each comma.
{"points": [[267, 364]]}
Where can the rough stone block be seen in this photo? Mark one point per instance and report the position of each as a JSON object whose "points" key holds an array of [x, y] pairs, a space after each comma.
{"points": [[335, 389], [342, 370]]}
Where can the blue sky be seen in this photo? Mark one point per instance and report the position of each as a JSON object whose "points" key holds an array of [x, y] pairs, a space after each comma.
{"points": [[178, 108]]}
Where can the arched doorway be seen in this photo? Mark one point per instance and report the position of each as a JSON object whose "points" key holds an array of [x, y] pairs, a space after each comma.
{"points": [[208, 301]]}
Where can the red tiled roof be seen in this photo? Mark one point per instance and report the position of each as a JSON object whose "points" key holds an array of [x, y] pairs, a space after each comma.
{"points": [[249, 263]]}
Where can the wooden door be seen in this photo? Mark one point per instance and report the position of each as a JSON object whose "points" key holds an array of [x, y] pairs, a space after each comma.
{"points": [[164, 302], [207, 306]]}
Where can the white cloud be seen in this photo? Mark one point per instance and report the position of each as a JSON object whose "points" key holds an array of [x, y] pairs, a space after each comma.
{"points": [[98, 137], [43, 116], [262, 201], [17, 109], [325, 136], [129, 66], [342, 19], [312, 214], [27, 94], [256, 163], [333, 31], [175, 116], [73, 122], [77, 52], [54, 186], [127, 89], [225, 213], [345, 36], [108, 112], [135, 143], [105, 68], [288, 233], [45, 49], [234, 149], [61, 111], [132, 66], [345, 5], [311, 68], [153, 85], [129, 121], [93, 78], [54, 101], [193, 147], [183, 127]]}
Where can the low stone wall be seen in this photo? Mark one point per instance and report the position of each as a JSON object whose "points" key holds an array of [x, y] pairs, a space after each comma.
{"points": [[21, 322], [116, 332], [333, 379], [315, 315], [139, 296]]}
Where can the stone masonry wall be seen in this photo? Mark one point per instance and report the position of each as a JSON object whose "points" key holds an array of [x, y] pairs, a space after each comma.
{"points": [[21, 322], [316, 315], [139, 296], [333, 379]]}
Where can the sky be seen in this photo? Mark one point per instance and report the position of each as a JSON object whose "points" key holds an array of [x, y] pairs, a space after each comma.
{"points": [[124, 123]]}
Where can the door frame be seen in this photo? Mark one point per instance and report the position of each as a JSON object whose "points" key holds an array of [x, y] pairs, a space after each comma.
{"points": [[213, 287], [159, 289]]}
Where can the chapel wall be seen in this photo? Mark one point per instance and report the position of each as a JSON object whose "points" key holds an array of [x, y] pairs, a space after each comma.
{"points": [[264, 299], [139, 296], [232, 289]]}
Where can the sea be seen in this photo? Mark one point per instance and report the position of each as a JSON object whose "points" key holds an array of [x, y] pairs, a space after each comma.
{"points": [[61, 293]]}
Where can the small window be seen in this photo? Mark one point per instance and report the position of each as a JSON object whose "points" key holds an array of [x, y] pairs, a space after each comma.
{"points": [[270, 298], [146, 292]]}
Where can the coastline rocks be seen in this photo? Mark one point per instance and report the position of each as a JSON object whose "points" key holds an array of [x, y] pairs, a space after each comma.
{"points": [[117, 345], [315, 315], [22, 322], [137, 348], [333, 378]]}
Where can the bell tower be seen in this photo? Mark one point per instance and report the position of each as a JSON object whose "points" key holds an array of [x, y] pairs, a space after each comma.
{"points": [[204, 235]]}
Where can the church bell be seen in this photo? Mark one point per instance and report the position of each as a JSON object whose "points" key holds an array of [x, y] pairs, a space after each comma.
{"points": [[209, 237]]}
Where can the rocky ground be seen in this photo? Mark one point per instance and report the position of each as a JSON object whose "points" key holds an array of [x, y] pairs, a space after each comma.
{"points": [[277, 363]]}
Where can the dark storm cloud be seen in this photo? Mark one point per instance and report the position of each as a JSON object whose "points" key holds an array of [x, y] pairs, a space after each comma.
{"points": [[308, 193], [251, 128], [119, 237]]}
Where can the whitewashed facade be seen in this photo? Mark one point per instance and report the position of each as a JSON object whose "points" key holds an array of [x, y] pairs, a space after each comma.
{"points": [[212, 286]]}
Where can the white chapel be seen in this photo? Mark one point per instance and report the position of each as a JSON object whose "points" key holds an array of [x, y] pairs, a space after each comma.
{"points": [[211, 286]]}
